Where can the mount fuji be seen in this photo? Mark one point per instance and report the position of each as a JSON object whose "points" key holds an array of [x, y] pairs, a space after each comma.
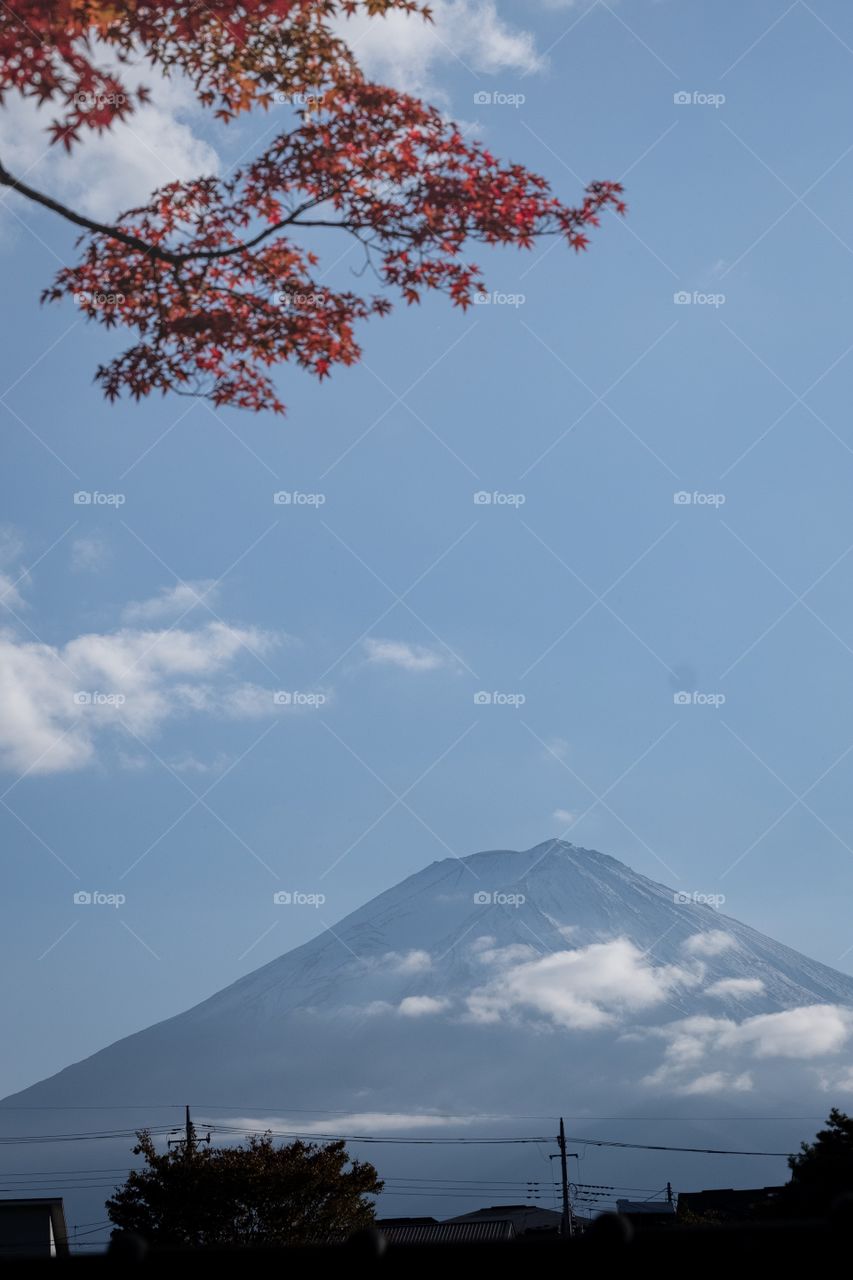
{"points": [[408, 999], [494, 987]]}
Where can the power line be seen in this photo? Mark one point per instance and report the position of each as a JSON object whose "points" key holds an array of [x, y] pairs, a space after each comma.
{"points": [[702, 1151], [98, 1106], [370, 1138], [593, 1142], [68, 1187], [161, 1130], [453, 1195], [59, 1173], [92, 1136], [480, 1182]]}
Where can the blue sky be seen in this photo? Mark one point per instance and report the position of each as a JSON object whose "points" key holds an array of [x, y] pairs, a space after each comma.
{"points": [[584, 393]]}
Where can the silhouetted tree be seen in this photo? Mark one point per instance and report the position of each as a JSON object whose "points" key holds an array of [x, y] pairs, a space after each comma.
{"points": [[257, 1194], [822, 1170]]}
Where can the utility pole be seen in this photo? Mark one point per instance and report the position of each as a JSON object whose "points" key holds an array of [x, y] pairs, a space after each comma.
{"points": [[566, 1227], [669, 1194], [189, 1140]]}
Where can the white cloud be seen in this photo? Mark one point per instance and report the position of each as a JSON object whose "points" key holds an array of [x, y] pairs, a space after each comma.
{"points": [[10, 595], [133, 762], [408, 657], [88, 553], [191, 764], [389, 1122], [408, 53], [713, 942], [736, 987], [809, 1031], [584, 989], [568, 931], [57, 700], [119, 169], [400, 962], [836, 1081], [715, 1082], [512, 954], [565, 816], [583, 6], [724, 1047], [421, 1006], [375, 1009], [170, 602], [12, 576], [410, 961], [359, 1122]]}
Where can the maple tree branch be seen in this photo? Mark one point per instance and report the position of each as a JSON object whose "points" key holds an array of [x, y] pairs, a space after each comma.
{"points": [[80, 220], [173, 257], [321, 222], [136, 242]]}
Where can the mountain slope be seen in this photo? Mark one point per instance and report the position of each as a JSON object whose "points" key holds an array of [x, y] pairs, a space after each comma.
{"points": [[476, 979], [564, 888]]}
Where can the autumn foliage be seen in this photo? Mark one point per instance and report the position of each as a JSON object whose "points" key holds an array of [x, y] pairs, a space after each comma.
{"points": [[209, 275], [254, 1194]]}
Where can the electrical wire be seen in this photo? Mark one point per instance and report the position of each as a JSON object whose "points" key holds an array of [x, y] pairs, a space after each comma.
{"points": [[592, 1142], [160, 1131], [369, 1138], [645, 1146], [92, 1136]]}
